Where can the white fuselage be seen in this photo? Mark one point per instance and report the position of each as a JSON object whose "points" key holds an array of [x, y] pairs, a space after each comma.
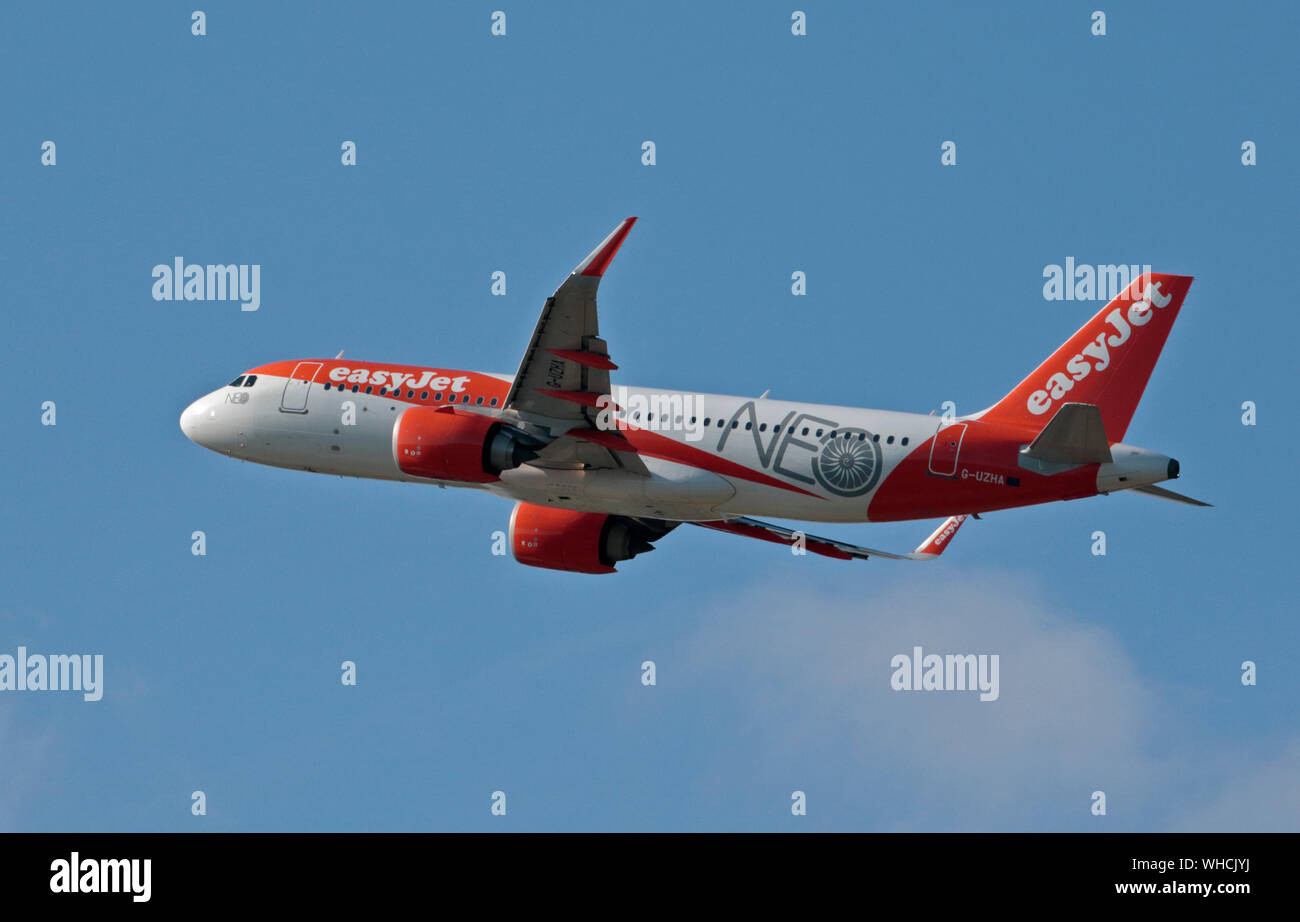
{"points": [[796, 449]]}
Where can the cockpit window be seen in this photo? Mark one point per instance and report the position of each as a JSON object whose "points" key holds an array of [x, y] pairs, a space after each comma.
{"points": [[238, 381], [250, 380]]}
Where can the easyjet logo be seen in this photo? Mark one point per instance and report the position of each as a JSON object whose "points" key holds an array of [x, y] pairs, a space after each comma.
{"points": [[948, 532], [1097, 355], [399, 379]]}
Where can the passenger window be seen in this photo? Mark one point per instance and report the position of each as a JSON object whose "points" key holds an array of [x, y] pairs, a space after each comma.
{"points": [[889, 441], [749, 425], [721, 423], [369, 389], [410, 395], [382, 390], [327, 385], [493, 403], [479, 402], [437, 398], [707, 420], [819, 433], [876, 437], [762, 427], [238, 381], [904, 442], [465, 399], [424, 395], [805, 430]]}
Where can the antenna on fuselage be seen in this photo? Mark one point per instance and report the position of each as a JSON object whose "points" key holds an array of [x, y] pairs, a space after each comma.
{"points": [[763, 396], [340, 355]]}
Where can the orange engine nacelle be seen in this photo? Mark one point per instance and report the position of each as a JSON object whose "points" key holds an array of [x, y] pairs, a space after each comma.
{"points": [[580, 542], [446, 444]]}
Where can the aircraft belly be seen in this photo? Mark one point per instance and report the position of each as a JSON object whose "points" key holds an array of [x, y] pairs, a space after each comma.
{"points": [[671, 491]]}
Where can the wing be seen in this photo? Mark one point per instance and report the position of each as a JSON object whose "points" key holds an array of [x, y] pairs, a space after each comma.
{"points": [[929, 549], [591, 448], [566, 366], [565, 370]]}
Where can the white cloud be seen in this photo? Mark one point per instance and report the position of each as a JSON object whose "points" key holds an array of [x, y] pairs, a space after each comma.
{"points": [[28, 756], [810, 671], [1256, 797]]}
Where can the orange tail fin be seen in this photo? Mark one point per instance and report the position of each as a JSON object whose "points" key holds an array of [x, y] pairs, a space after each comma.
{"points": [[1107, 363]]}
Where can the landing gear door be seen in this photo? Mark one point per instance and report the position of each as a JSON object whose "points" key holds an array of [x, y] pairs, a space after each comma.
{"points": [[945, 448], [296, 389]]}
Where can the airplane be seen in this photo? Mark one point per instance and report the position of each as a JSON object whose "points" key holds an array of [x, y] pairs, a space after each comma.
{"points": [[598, 474]]}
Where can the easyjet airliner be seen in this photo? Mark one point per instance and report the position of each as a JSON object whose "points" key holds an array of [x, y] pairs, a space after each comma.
{"points": [[599, 473]]}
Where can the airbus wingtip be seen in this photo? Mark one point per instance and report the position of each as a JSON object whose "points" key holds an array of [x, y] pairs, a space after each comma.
{"points": [[599, 259], [934, 545]]}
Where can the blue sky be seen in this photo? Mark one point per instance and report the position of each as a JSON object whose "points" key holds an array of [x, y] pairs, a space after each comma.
{"points": [[774, 153]]}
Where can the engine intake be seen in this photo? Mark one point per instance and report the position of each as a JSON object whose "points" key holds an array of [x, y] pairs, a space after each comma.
{"points": [[579, 542], [446, 444]]}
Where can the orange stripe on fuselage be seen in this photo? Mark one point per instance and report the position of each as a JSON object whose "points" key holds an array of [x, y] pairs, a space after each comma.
{"points": [[658, 446]]}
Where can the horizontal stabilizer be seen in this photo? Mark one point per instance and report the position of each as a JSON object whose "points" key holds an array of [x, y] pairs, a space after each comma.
{"points": [[1074, 436], [1162, 493]]}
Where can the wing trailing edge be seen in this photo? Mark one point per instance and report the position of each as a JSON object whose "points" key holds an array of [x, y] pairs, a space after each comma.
{"points": [[929, 549]]}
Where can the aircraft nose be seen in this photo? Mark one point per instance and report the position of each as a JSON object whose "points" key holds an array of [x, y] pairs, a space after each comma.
{"points": [[192, 421], [189, 421]]}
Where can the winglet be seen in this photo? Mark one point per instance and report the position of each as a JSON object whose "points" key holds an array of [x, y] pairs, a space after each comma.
{"points": [[933, 546], [599, 259]]}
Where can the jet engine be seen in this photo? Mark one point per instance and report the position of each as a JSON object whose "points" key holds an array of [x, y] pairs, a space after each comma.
{"points": [[580, 542], [445, 444]]}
